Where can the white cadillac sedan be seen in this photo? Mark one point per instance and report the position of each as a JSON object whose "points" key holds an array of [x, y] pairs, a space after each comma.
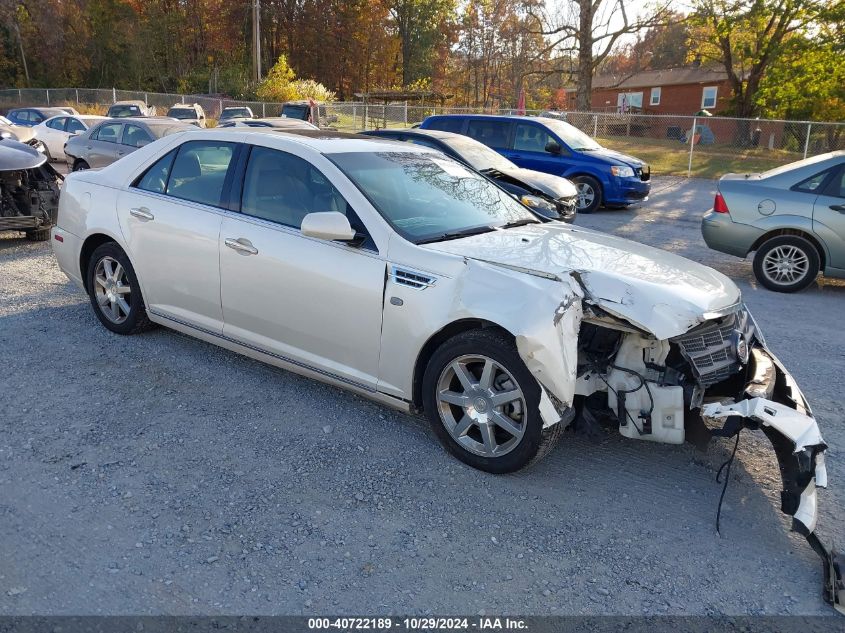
{"points": [[396, 272]]}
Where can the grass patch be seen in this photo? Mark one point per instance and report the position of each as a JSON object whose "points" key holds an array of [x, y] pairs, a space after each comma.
{"points": [[671, 158]]}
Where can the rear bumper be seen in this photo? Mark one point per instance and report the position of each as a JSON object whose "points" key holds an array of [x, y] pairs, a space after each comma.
{"points": [[775, 405], [721, 233]]}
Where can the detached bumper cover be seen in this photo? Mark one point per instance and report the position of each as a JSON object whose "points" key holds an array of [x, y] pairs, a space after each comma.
{"points": [[799, 447]]}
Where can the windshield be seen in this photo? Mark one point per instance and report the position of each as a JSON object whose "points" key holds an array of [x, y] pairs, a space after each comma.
{"points": [[182, 113], [124, 111], [231, 113], [5, 121], [478, 154], [427, 196], [571, 135]]}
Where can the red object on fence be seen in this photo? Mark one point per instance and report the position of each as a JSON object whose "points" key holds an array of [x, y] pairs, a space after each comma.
{"points": [[520, 105]]}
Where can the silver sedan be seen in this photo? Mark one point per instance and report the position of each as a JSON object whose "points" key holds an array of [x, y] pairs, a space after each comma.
{"points": [[792, 217]]}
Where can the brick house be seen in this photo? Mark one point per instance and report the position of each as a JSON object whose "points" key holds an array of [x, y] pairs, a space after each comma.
{"points": [[669, 91]]}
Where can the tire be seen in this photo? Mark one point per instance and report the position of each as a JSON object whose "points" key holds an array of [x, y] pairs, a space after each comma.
{"points": [[80, 165], [526, 441], [106, 258], [589, 193], [38, 235], [787, 263]]}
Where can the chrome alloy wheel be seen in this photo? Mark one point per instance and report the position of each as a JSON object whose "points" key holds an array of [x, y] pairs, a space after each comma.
{"points": [[112, 289], [481, 405], [785, 265], [586, 194]]}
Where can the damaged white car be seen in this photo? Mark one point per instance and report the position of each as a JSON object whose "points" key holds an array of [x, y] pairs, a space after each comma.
{"points": [[396, 272]]}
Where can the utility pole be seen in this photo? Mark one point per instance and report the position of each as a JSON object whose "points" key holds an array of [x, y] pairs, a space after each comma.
{"points": [[256, 40]]}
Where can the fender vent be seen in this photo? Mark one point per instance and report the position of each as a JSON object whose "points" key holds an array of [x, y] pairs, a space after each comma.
{"points": [[415, 280]]}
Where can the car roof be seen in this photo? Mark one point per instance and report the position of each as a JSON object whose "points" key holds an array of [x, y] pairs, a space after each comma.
{"points": [[436, 134], [130, 102], [327, 141], [511, 117]]}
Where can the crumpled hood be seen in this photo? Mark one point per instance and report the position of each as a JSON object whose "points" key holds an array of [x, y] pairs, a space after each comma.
{"points": [[659, 292], [551, 185], [610, 154]]}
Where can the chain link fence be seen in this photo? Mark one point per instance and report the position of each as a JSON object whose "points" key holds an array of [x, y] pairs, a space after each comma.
{"points": [[673, 145]]}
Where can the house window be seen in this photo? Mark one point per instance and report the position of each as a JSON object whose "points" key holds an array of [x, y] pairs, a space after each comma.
{"points": [[627, 100], [708, 97], [655, 96]]}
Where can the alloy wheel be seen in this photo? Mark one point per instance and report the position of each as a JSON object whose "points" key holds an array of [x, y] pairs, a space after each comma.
{"points": [[785, 265], [112, 290], [481, 405], [586, 195]]}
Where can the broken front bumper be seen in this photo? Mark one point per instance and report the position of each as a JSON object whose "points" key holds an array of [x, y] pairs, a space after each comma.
{"points": [[775, 405]]}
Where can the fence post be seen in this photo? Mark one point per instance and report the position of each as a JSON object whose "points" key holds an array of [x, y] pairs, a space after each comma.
{"points": [[77, 96], [595, 125], [183, 98], [807, 141], [146, 100], [20, 96], [113, 94], [220, 101], [406, 114], [48, 95], [366, 115], [691, 144], [263, 110]]}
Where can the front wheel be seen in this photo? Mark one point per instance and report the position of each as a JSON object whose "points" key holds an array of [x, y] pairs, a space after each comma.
{"points": [[786, 263], [483, 403], [589, 193], [114, 291], [80, 165]]}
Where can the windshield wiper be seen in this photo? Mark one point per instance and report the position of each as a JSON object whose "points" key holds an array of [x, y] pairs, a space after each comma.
{"points": [[587, 149], [523, 222], [455, 235]]}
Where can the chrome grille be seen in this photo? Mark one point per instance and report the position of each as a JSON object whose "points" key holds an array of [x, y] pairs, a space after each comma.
{"points": [[711, 350]]}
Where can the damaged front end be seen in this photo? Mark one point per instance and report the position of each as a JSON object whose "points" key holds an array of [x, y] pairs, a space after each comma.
{"points": [[29, 188], [711, 381]]}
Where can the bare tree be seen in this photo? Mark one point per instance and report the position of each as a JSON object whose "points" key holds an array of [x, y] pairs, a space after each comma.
{"points": [[589, 30]]}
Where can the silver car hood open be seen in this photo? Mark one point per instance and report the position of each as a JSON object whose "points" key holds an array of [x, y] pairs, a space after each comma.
{"points": [[659, 292]]}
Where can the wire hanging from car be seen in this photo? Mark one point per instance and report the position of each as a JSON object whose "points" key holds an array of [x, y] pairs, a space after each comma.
{"points": [[727, 463]]}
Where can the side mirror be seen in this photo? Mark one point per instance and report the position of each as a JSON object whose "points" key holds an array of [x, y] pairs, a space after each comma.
{"points": [[553, 147], [329, 225]]}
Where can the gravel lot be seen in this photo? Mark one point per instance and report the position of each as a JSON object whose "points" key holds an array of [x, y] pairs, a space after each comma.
{"points": [[159, 474]]}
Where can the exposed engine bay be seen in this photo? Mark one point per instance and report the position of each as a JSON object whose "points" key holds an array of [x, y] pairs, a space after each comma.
{"points": [[713, 381], [29, 190]]}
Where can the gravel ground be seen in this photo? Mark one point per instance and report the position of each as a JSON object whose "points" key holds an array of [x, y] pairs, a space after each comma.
{"points": [[158, 474]]}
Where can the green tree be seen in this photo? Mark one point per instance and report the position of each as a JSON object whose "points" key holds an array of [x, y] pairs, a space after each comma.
{"points": [[746, 37], [422, 27]]}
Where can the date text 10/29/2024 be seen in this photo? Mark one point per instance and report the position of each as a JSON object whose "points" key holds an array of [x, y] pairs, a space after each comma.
{"points": [[418, 623]]}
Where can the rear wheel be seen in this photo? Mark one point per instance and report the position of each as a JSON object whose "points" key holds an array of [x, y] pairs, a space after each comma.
{"points": [[786, 263], [589, 193], [80, 165], [114, 291], [483, 403]]}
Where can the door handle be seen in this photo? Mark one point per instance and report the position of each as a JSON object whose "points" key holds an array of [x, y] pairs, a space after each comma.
{"points": [[241, 245], [142, 213], [838, 207]]}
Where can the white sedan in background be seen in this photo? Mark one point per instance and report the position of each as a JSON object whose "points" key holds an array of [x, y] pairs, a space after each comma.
{"points": [[393, 271], [55, 131]]}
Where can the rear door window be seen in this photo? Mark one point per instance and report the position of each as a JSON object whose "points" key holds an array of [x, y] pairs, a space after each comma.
{"points": [[199, 171], [493, 133], [109, 132], [530, 138], [813, 184], [135, 136], [57, 124], [155, 178], [74, 126]]}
